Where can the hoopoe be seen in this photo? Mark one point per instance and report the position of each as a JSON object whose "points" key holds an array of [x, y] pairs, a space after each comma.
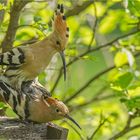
{"points": [[37, 106], [27, 62]]}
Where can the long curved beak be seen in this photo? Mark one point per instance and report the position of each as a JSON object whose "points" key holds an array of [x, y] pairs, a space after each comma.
{"points": [[70, 118], [64, 63]]}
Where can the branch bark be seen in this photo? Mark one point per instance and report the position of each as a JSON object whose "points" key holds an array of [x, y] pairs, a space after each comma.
{"points": [[15, 129], [16, 8]]}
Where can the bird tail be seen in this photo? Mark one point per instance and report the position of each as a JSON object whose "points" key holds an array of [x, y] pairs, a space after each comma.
{"points": [[12, 97], [6, 90]]}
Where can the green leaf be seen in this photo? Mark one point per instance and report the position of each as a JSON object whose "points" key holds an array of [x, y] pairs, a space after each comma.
{"points": [[71, 52], [133, 6], [131, 103], [124, 80], [2, 105], [42, 78], [120, 59], [2, 7], [9, 112]]}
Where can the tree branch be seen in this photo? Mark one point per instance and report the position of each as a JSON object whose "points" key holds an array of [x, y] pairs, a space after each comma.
{"points": [[88, 83], [127, 128], [16, 8], [93, 79], [90, 51], [13, 129], [78, 8]]}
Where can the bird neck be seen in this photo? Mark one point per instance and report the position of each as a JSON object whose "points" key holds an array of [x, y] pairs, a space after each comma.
{"points": [[47, 45]]}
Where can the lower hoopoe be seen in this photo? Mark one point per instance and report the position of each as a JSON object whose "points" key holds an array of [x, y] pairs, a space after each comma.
{"points": [[27, 62], [34, 103]]}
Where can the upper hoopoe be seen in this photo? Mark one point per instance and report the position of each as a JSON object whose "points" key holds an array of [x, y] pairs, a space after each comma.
{"points": [[26, 63], [37, 106]]}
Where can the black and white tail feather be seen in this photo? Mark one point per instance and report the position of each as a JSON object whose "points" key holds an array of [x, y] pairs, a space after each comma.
{"points": [[16, 100]]}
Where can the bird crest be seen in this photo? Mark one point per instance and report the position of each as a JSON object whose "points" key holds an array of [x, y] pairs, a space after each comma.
{"points": [[60, 26]]}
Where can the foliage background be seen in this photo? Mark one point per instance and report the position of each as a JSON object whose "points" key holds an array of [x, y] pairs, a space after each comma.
{"points": [[102, 88]]}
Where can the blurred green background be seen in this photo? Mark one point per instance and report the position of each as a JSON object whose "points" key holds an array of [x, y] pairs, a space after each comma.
{"points": [[102, 88]]}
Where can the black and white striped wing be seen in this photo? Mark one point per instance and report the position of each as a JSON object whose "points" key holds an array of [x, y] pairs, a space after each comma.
{"points": [[17, 101], [14, 57]]}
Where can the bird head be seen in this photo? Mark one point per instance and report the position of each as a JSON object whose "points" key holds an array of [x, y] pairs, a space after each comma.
{"points": [[58, 110], [60, 34]]}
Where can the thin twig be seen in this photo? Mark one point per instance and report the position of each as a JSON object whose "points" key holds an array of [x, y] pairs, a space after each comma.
{"points": [[102, 121], [77, 132], [90, 51], [94, 27], [93, 100], [123, 132]]}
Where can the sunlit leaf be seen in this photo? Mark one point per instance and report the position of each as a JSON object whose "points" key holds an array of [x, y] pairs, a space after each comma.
{"points": [[71, 52], [132, 102], [2, 105], [88, 57], [1, 7], [110, 22], [9, 112], [133, 6], [42, 78], [120, 59], [124, 80]]}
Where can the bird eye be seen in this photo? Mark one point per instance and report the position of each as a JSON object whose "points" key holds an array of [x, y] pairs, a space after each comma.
{"points": [[57, 110]]}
